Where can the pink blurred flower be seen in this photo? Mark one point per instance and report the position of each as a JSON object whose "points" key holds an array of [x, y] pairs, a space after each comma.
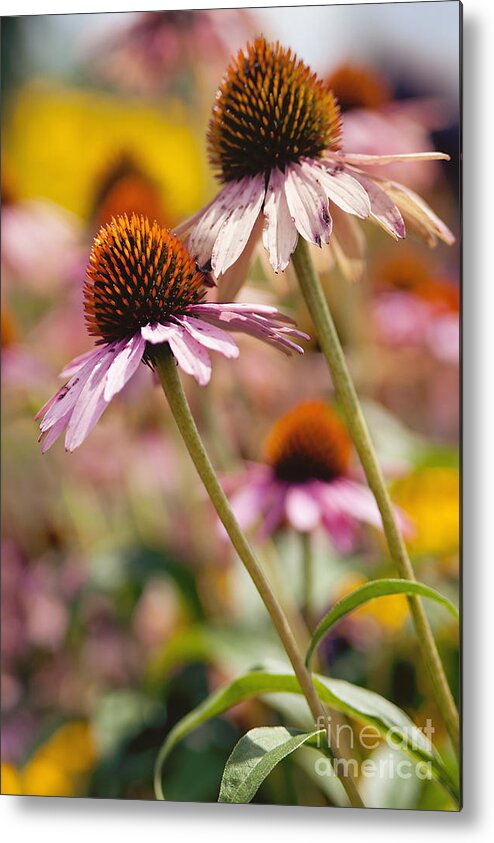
{"points": [[274, 136], [414, 308], [375, 124], [39, 241], [143, 289], [153, 50], [306, 481]]}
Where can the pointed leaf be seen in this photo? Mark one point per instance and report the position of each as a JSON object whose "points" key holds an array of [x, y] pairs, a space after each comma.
{"points": [[369, 591], [253, 758]]}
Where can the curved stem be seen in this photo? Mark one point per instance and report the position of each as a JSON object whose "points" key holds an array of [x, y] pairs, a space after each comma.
{"points": [[167, 371], [347, 395]]}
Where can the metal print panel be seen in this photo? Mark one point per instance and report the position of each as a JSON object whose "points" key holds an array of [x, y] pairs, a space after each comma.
{"points": [[230, 390]]}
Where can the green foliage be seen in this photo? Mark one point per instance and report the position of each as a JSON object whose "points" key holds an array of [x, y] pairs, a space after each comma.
{"points": [[364, 706], [255, 755], [369, 591]]}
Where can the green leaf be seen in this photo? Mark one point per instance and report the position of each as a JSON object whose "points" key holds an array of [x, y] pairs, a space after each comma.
{"points": [[362, 705], [255, 755], [369, 591]]}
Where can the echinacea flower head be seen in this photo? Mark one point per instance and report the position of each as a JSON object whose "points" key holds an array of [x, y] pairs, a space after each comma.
{"points": [[143, 289], [274, 139], [306, 480]]}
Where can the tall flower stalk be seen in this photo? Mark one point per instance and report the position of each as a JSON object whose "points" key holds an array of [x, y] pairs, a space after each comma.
{"points": [[357, 426], [167, 372]]}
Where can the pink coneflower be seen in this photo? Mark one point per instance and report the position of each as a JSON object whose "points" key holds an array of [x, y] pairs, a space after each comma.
{"points": [[143, 289], [275, 137], [305, 481]]}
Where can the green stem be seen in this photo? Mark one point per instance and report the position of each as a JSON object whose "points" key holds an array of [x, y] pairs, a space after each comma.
{"points": [[347, 396], [167, 371], [308, 580]]}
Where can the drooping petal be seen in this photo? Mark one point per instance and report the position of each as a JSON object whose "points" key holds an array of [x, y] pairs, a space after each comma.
{"points": [[48, 438], [308, 206], [355, 500], [361, 159], [90, 404], [76, 364], [249, 501], [206, 225], [124, 365], [251, 320], [191, 356], [302, 507], [64, 400], [383, 209], [418, 212], [236, 228], [341, 528], [156, 333], [344, 190], [209, 335], [234, 278], [280, 234], [274, 511]]}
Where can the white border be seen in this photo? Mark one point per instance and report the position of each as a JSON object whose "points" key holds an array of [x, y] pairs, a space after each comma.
{"points": [[80, 820]]}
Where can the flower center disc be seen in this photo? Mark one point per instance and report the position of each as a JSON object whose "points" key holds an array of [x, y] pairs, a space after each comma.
{"points": [[137, 274], [270, 110], [308, 443]]}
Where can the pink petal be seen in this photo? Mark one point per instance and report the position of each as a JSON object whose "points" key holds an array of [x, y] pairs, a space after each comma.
{"points": [[424, 218], [302, 508], [156, 333], [249, 501], [383, 209], [308, 205], [274, 511], [345, 191], [280, 234], [341, 529], [373, 160], [210, 336], [124, 365], [66, 397], [90, 404], [236, 228], [76, 364], [353, 499], [191, 356], [50, 436], [233, 279], [206, 225]]}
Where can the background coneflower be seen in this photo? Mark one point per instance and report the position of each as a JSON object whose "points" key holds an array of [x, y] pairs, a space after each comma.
{"points": [[306, 479]]}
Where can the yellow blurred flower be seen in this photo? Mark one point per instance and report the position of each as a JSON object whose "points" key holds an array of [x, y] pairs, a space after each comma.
{"points": [[11, 781], [430, 496], [59, 140], [58, 768], [390, 612]]}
